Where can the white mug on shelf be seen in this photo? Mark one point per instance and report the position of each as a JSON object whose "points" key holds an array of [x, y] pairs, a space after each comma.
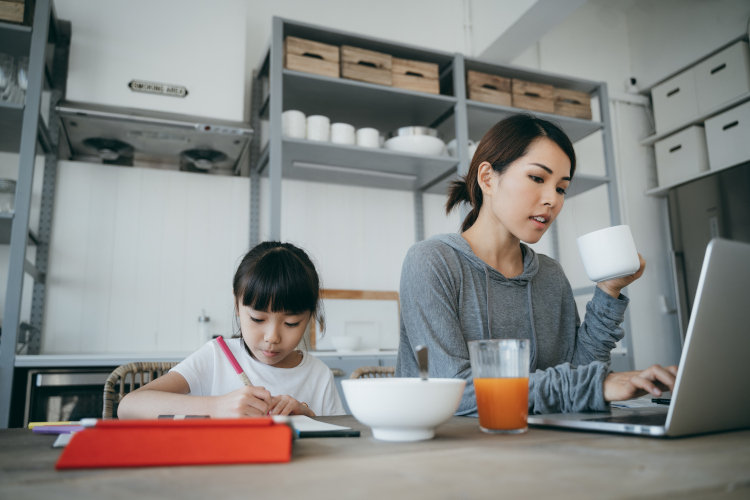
{"points": [[342, 133], [318, 128], [609, 253], [293, 124], [368, 137]]}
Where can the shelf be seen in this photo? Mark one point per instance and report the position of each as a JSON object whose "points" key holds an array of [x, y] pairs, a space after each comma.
{"points": [[356, 166], [11, 124], [6, 225], [580, 184], [648, 141], [482, 116], [15, 39], [508, 71], [662, 191], [362, 104]]}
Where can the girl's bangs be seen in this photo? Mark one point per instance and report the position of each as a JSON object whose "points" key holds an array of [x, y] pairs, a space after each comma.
{"points": [[280, 284]]}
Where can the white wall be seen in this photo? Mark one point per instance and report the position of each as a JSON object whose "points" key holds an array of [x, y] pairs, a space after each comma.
{"points": [[611, 41], [668, 35]]}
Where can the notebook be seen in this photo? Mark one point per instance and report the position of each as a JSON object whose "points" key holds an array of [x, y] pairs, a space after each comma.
{"points": [[712, 390]]}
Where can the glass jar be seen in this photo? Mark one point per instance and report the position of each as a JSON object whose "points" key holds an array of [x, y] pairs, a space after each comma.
{"points": [[7, 195]]}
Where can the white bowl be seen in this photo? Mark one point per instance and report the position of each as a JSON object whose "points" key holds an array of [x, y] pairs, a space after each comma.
{"points": [[417, 144], [345, 344], [403, 409]]}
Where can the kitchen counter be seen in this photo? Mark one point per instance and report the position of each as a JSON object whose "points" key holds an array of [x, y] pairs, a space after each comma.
{"points": [[107, 359], [461, 462]]}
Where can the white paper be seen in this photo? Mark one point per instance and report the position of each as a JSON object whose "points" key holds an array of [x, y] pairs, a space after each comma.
{"points": [[642, 402], [305, 424], [62, 440]]}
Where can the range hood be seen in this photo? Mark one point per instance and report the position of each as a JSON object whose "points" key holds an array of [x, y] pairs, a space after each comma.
{"points": [[127, 136]]}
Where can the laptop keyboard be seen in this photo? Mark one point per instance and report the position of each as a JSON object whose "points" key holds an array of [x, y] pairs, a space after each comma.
{"points": [[638, 419]]}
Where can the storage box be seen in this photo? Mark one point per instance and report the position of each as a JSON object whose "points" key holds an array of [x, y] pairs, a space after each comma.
{"points": [[681, 156], [533, 96], [311, 57], [722, 77], [675, 102], [416, 75], [17, 11], [489, 88], [728, 137], [366, 65], [572, 103]]}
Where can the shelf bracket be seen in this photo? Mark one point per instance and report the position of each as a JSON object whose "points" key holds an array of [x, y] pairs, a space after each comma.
{"points": [[32, 271]]}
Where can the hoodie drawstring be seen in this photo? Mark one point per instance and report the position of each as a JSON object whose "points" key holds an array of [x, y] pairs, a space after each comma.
{"points": [[532, 362], [489, 310]]}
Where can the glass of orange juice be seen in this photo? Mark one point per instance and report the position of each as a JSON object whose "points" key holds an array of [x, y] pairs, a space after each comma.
{"points": [[500, 369]]}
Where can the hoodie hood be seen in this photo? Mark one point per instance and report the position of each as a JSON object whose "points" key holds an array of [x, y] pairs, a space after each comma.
{"points": [[530, 260]]}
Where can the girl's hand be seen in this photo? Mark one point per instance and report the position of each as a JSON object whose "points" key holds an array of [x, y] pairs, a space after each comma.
{"points": [[628, 385], [287, 405], [247, 401], [613, 287]]}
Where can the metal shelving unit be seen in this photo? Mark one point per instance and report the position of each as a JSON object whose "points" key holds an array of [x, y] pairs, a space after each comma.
{"points": [[386, 108], [23, 131]]}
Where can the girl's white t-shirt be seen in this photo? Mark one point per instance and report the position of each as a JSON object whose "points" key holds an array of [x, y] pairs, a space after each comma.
{"points": [[209, 373]]}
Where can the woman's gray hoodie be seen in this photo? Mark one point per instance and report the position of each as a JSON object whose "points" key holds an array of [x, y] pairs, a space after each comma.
{"points": [[449, 296]]}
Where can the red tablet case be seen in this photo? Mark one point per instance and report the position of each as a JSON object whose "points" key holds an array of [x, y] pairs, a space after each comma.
{"points": [[150, 443]]}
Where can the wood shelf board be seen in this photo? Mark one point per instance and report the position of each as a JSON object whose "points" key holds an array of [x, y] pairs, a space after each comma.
{"points": [[662, 191], [482, 116], [509, 71], [376, 168], [652, 139], [362, 104]]}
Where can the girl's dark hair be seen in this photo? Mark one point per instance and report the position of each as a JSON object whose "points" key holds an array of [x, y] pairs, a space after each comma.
{"points": [[507, 141], [278, 277]]}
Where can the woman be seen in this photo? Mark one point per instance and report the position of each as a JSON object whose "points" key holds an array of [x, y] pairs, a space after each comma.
{"points": [[485, 283]]}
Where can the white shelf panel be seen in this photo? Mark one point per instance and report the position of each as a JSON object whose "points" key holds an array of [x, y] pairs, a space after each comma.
{"points": [[482, 116], [662, 191], [356, 166], [650, 140]]}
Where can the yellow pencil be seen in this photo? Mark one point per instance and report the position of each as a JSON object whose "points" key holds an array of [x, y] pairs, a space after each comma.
{"points": [[36, 424]]}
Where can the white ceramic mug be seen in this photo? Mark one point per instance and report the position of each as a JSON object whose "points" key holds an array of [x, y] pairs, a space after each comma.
{"points": [[318, 128], [294, 124], [609, 253], [342, 133], [368, 137]]}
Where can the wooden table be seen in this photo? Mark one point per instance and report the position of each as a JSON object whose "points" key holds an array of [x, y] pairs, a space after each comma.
{"points": [[461, 462]]}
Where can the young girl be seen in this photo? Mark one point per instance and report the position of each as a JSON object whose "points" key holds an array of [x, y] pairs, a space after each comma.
{"points": [[485, 283], [276, 293]]}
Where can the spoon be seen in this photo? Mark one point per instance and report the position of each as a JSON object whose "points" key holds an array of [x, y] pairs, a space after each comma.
{"points": [[422, 361]]}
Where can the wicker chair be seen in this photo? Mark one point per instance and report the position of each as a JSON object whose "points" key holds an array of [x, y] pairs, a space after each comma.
{"points": [[144, 371], [374, 372]]}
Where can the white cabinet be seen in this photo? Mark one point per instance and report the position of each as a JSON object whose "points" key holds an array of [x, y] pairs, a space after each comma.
{"points": [[728, 137], [681, 155], [723, 77]]}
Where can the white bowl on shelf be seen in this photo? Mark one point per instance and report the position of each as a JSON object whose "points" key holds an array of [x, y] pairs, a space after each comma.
{"points": [[344, 343], [403, 409], [416, 144]]}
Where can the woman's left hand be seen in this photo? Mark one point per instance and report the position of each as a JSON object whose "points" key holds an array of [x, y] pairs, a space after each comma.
{"points": [[287, 405], [613, 287]]}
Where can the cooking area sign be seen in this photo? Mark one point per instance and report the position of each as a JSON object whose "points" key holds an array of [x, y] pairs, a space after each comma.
{"points": [[158, 88]]}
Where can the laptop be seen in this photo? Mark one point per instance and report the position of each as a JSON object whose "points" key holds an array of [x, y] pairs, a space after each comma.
{"points": [[712, 389]]}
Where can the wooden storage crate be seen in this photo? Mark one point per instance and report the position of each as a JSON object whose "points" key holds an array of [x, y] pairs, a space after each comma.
{"points": [[533, 96], [489, 88], [311, 57], [572, 103], [416, 75], [17, 11], [366, 65]]}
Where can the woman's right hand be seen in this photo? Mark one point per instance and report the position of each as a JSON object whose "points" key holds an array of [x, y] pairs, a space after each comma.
{"points": [[627, 385], [247, 401]]}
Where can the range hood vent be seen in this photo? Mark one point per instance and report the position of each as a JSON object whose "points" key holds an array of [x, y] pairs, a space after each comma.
{"points": [[126, 136]]}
